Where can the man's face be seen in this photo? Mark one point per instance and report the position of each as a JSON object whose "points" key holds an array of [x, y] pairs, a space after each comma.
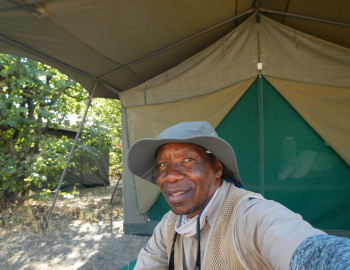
{"points": [[187, 176]]}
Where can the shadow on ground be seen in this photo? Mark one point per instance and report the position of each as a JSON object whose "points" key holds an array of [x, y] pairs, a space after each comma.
{"points": [[80, 246]]}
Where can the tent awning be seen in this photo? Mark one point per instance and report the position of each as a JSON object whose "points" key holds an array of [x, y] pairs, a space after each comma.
{"points": [[120, 45]]}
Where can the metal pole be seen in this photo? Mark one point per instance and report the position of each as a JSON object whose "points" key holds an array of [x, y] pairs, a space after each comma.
{"points": [[25, 7], [115, 189], [175, 44], [264, 10], [70, 155]]}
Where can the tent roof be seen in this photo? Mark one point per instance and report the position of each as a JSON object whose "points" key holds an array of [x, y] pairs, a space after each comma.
{"points": [[121, 44]]}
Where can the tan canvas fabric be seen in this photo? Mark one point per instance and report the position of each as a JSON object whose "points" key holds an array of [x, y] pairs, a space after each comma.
{"points": [[97, 37], [149, 121], [325, 108], [292, 55], [217, 67], [147, 193]]}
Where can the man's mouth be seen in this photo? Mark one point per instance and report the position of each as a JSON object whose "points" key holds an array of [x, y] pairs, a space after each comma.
{"points": [[176, 196]]}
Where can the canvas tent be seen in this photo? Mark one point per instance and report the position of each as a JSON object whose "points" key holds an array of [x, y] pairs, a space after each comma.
{"points": [[312, 75], [99, 176], [276, 72]]}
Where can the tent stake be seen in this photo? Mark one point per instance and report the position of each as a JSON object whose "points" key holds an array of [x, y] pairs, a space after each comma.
{"points": [[70, 156]]}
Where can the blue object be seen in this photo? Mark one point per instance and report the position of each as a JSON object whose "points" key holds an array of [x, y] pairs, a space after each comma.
{"points": [[322, 252]]}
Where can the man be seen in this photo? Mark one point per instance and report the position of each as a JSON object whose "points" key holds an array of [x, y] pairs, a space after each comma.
{"points": [[214, 223]]}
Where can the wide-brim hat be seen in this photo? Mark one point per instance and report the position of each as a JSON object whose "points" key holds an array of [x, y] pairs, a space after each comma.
{"points": [[141, 158]]}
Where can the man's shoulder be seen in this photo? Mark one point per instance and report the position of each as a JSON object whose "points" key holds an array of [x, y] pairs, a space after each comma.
{"points": [[168, 219], [239, 195]]}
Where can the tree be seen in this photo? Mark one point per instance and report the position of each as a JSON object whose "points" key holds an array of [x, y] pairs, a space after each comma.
{"points": [[107, 114], [34, 98]]}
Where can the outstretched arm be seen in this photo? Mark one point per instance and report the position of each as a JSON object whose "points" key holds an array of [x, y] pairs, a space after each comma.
{"points": [[267, 234], [322, 252]]}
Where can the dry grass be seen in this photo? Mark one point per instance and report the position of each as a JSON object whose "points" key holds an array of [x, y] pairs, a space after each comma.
{"points": [[88, 205], [84, 232]]}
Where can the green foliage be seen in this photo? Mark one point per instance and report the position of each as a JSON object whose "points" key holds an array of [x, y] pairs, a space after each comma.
{"points": [[34, 98], [105, 114]]}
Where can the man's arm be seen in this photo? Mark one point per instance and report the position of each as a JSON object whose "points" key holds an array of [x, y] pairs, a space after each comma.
{"points": [[154, 255], [267, 233], [322, 252]]}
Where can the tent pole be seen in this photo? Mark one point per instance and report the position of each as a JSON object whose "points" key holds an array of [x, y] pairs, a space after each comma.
{"points": [[174, 44], [264, 10], [70, 155], [25, 7]]}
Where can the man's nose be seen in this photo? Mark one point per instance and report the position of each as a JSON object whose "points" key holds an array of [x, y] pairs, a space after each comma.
{"points": [[174, 173]]}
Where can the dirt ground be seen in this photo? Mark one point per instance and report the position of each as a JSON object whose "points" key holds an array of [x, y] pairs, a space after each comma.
{"points": [[84, 233]]}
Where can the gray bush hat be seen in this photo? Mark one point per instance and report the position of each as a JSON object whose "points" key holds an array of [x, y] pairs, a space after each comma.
{"points": [[141, 158]]}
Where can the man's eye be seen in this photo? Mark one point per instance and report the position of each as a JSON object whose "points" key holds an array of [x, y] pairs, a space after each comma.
{"points": [[188, 159], [162, 164]]}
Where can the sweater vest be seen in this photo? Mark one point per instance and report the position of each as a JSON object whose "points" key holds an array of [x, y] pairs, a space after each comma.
{"points": [[221, 250]]}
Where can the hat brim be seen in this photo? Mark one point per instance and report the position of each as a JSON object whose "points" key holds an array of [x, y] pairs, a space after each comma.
{"points": [[141, 158]]}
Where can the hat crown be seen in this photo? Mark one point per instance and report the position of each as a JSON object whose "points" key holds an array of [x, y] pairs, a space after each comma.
{"points": [[187, 130]]}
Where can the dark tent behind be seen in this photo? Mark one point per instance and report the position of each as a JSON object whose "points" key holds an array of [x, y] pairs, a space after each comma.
{"points": [[76, 177]]}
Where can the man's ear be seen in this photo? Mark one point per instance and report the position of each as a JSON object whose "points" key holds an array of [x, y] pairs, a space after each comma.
{"points": [[219, 168]]}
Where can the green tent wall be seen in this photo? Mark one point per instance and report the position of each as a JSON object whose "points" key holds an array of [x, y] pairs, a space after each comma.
{"points": [[283, 158]]}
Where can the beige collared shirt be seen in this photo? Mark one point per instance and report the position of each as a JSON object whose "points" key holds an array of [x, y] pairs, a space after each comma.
{"points": [[266, 234]]}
